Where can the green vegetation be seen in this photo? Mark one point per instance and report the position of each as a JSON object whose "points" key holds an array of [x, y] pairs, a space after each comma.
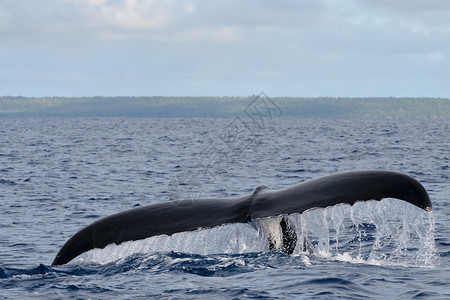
{"points": [[213, 107]]}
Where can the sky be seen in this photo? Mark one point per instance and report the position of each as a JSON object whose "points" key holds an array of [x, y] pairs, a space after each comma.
{"points": [[308, 48]]}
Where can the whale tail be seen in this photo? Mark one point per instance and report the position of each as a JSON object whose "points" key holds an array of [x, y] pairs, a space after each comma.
{"points": [[172, 217]]}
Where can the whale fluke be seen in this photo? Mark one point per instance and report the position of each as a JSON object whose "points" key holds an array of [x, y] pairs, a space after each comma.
{"points": [[189, 215]]}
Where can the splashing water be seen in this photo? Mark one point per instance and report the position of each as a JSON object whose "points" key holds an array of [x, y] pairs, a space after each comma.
{"points": [[389, 233], [229, 239], [386, 233]]}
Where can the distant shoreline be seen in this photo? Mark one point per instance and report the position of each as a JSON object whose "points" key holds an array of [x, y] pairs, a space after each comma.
{"points": [[226, 107]]}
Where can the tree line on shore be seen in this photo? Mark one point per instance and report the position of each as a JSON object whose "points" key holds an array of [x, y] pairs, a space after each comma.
{"points": [[224, 107]]}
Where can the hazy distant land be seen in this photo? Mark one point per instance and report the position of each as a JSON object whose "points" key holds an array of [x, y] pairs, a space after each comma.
{"points": [[167, 107]]}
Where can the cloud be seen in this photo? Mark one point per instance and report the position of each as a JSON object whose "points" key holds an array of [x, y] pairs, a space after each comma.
{"points": [[427, 58], [192, 21], [408, 6], [146, 15], [418, 17], [217, 21], [89, 18], [245, 44]]}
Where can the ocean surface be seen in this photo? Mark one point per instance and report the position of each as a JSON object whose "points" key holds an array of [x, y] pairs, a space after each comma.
{"points": [[59, 175]]}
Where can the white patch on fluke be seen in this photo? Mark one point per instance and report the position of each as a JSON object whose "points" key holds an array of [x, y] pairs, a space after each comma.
{"points": [[271, 230]]}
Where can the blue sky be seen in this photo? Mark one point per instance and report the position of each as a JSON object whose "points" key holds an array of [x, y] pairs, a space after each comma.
{"points": [[305, 48]]}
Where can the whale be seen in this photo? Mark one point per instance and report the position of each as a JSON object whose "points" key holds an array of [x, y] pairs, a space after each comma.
{"points": [[170, 217]]}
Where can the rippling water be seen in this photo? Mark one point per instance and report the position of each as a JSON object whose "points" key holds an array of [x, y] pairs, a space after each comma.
{"points": [[59, 175]]}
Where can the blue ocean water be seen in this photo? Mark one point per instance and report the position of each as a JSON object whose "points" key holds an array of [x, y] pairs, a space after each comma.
{"points": [[59, 175]]}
